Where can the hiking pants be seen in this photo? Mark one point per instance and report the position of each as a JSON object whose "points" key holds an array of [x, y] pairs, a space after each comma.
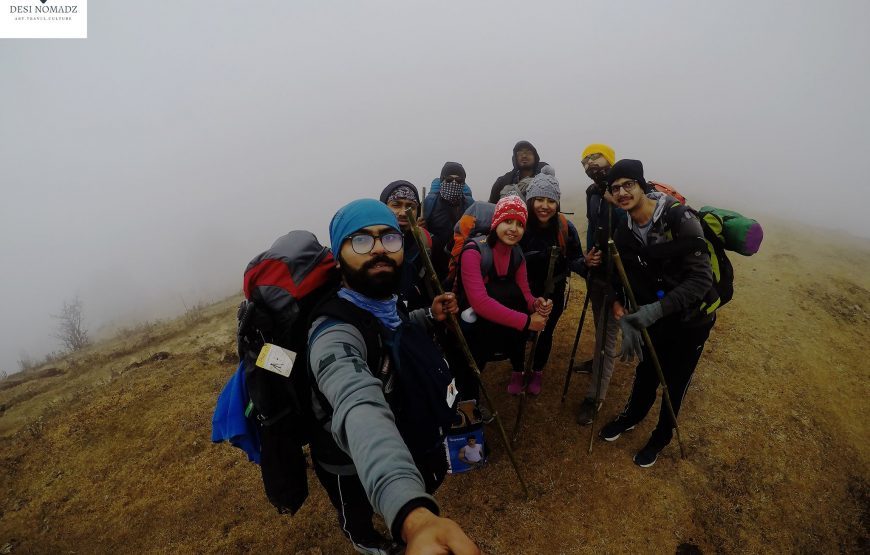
{"points": [[679, 349], [355, 514], [545, 341], [489, 341], [597, 291]]}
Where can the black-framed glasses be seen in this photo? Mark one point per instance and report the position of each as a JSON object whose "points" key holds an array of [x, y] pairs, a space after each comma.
{"points": [[591, 158], [363, 244], [454, 181], [625, 186]]}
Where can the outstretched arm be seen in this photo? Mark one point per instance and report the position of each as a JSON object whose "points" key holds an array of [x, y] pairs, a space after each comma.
{"points": [[363, 425]]}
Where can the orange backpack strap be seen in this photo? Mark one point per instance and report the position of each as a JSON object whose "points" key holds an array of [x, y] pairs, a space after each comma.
{"points": [[562, 236]]}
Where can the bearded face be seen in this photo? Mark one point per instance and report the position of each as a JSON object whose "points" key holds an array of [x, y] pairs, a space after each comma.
{"points": [[597, 173], [376, 278]]}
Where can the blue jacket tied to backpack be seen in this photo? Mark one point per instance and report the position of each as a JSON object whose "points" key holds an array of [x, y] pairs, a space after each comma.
{"points": [[229, 422]]}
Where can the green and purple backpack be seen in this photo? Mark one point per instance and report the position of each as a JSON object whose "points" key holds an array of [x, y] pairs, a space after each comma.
{"points": [[724, 230]]}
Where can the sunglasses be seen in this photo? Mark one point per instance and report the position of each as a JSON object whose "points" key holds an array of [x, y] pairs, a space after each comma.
{"points": [[454, 181], [591, 158], [626, 186], [363, 244]]}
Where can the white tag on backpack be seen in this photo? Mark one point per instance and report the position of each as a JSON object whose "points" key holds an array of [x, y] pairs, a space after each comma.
{"points": [[452, 392], [276, 359]]}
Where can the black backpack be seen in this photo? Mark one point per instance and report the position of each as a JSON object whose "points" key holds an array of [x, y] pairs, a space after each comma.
{"points": [[282, 285], [286, 287]]}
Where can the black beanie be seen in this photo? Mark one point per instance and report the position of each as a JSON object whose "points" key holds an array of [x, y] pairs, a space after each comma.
{"points": [[632, 169], [452, 168]]}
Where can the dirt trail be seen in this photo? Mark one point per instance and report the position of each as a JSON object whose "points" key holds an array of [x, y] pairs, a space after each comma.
{"points": [[111, 453]]}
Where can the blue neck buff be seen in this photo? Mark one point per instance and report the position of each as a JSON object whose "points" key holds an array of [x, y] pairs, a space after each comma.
{"points": [[385, 310]]}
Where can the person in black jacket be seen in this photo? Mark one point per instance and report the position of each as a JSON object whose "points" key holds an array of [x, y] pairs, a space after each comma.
{"points": [[547, 228], [399, 196], [664, 252], [526, 163], [602, 218], [443, 214]]}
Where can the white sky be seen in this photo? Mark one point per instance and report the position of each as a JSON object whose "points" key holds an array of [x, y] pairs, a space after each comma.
{"points": [[148, 163]]}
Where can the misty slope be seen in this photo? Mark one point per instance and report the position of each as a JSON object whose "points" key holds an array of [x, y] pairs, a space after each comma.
{"points": [[110, 452]]}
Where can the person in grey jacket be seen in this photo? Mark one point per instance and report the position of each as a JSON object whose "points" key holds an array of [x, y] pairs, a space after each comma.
{"points": [[666, 260], [381, 475]]}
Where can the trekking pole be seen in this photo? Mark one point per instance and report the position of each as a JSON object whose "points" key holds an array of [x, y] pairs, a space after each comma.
{"points": [[601, 329], [422, 215], [600, 352], [614, 254], [527, 371], [574, 349], [466, 351]]}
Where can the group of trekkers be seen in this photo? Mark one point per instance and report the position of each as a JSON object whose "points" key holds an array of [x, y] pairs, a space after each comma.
{"points": [[505, 264]]}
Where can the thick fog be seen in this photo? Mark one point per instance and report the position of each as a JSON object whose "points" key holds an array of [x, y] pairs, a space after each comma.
{"points": [[143, 167]]}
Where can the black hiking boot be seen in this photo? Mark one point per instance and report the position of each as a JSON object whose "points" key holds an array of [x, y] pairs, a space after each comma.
{"points": [[612, 431], [584, 367], [645, 458], [648, 456], [588, 409]]}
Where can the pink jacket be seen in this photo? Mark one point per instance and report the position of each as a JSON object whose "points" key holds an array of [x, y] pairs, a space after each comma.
{"points": [[484, 305]]}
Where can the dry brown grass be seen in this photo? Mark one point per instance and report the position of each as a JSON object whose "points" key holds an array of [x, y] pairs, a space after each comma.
{"points": [[113, 454]]}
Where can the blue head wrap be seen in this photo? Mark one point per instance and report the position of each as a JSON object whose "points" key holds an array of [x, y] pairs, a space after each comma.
{"points": [[357, 215]]}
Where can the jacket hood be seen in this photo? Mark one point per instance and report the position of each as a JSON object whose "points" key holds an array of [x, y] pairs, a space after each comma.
{"points": [[530, 146], [662, 202]]}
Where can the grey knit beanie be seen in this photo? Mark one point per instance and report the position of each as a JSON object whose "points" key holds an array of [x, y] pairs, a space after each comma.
{"points": [[544, 185]]}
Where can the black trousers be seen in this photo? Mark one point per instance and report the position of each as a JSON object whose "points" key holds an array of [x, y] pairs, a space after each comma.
{"points": [[355, 514], [348, 497], [545, 342], [679, 348]]}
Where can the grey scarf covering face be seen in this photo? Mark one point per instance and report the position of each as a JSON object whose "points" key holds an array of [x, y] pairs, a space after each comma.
{"points": [[451, 192]]}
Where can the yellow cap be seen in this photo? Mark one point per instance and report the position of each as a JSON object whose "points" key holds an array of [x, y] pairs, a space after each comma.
{"points": [[604, 150]]}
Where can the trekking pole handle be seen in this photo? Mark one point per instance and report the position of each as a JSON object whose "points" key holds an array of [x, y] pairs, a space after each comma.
{"points": [[548, 284]]}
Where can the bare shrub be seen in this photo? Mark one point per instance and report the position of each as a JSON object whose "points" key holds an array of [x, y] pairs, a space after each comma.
{"points": [[194, 312], [26, 362], [70, 327]]}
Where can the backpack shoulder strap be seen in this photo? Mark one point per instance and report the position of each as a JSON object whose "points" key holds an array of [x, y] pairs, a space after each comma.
{"points": [[480, 245], [673, 214], [517, 258], [338, 310], [562, 236], [429, 204], [677, 246]]}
